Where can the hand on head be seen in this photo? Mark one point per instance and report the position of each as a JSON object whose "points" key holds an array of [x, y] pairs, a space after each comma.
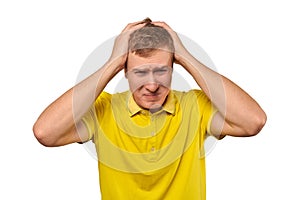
{"points": [[121, 46]]}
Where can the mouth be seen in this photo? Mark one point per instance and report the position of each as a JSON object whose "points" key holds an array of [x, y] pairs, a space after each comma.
{"points": [[151, 96]]}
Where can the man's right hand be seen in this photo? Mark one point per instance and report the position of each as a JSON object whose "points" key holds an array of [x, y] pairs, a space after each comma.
{"points": [[120, 48], [60, 123]]}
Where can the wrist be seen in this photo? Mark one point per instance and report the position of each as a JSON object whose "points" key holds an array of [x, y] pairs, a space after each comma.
{"points": [[115, 65], [184, 58]]}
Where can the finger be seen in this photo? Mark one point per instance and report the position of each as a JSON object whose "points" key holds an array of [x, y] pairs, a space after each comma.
{"points": [[134, 25], [162, 24]]}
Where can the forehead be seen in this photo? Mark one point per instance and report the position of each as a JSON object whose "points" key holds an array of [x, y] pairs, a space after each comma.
{"points": [[159, 58]]}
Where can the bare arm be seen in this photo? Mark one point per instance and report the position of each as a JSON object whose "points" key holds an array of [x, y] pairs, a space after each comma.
{"points": [[57, 124], [238, 113], [60, 123]]}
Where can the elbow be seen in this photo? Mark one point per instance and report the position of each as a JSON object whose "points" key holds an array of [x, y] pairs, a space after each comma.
{"points": [[257, 123], [42, 136]]}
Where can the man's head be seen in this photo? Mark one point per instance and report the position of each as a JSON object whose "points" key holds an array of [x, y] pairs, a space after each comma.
{"points": [[148, 39], [149, 65]]}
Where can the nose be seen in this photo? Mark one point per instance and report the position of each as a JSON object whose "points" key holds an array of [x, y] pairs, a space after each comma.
{"points": [[152, 87], [151, 84]]}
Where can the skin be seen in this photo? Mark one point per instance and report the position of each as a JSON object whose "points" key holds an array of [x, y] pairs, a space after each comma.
{"points": [[238, 113], [60, 123], [150, 91]]}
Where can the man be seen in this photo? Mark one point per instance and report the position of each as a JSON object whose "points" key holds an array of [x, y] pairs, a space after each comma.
{"points": [[150, 140]]}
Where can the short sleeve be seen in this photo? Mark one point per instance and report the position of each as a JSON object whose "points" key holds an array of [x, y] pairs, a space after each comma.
{"points": [[92, 116], [207, 111]]}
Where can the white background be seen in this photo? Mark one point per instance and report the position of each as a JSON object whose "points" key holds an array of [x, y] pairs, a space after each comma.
{"points": [[43, 45]]}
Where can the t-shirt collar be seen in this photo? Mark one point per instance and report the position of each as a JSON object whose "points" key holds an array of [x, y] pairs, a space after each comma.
{"points": [[169, 106]]}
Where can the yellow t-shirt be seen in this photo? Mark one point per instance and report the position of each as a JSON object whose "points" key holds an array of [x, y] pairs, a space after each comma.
{"points": [[151, 156]]}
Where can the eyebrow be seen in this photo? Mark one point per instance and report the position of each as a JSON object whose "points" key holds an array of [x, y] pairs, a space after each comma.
{"points": [[140, 70], [146, 68]]}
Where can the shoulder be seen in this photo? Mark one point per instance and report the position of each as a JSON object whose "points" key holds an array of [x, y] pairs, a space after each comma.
{"points": [[194, 94], [117, 98], [105, 96], [195, 99]]}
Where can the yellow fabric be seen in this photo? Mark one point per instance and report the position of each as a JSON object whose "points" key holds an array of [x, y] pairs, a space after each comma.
{"points": [[144, 155]]}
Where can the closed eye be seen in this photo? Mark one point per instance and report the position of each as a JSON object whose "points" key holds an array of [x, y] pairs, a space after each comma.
{"points": [[161, 71], [140, 72]]}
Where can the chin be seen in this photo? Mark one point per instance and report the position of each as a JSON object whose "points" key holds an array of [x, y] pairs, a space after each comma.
{"points": [[151, 105], [151, 102]]}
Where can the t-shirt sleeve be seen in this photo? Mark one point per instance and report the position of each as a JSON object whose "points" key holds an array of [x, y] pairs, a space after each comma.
{"points": [[94, 114], [207, 111]]}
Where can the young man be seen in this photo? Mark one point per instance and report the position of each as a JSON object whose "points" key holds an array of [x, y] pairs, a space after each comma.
{"points": [[150, 140]]}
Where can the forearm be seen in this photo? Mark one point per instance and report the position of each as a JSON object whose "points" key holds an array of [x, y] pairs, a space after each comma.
{"points": [[62, 115], [85, 93], [58, 121]]}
